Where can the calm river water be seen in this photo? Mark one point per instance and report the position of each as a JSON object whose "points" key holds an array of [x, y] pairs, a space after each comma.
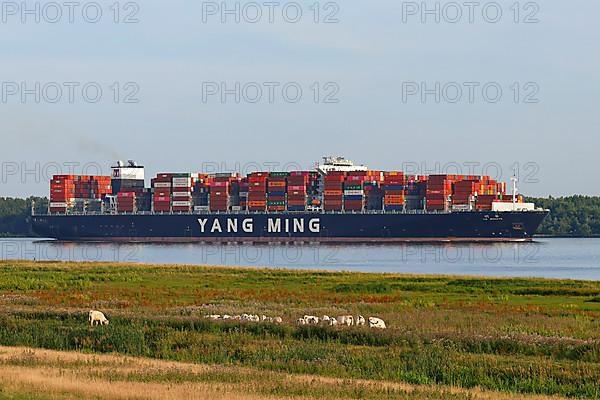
{"points": [[547, 257]]}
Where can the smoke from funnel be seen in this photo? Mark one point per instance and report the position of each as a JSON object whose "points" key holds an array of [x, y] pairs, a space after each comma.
{"points": [[90, 145]]}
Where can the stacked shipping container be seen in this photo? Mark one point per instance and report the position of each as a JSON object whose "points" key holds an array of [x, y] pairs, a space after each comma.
{"points": [[354, 193], [67, 190], [243, 193], [257, 191], [62, 193], [297, 192], [276, 200], [161, 193], [480, 190], [220, 188], [333, 194], [126, 202], [201, 192], [439, 191], [181, 192], [373, 190], [394, 186]]}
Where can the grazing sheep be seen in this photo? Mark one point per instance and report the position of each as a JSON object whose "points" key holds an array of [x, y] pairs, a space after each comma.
{"points": [[226, 316], [97, 317], [325, 319], [376, 323], [250, 318], [347, 320], [311, 319], [214, 317], [301, 321], [360, 320], [264, 318], [278, 320], [333, 321], [237, 317]]}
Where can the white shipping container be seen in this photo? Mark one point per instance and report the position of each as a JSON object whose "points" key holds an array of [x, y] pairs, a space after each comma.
{"points": [[162, 184], [182, 203], [354, 192], [182, 181]]}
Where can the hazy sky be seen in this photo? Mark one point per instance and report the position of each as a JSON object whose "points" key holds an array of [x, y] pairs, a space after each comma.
{"points": [[361, 80]]}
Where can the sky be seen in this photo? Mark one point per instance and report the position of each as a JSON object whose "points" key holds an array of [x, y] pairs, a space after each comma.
{"points": [[498, 88]]}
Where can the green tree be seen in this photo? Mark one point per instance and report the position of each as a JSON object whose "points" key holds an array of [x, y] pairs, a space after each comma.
{"points": [[15, 215], [576, 216]]}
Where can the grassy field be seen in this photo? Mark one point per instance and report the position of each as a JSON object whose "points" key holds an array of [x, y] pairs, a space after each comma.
{"points": [[447, 337]]}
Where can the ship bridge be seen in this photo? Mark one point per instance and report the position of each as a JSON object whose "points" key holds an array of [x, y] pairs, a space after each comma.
{"points": [[338, 163]]}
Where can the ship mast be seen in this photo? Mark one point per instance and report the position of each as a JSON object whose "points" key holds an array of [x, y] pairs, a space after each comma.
{"points": [[514, 191]]}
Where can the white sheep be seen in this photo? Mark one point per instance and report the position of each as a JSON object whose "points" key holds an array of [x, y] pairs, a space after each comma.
{"points": [[347, 320], [97, 317], [333, 321], [311, 319], [360, 320], [376, 323]]}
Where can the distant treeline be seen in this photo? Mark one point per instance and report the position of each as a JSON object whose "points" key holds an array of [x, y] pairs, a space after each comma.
{"points": [[14, 215], [577, 216]]}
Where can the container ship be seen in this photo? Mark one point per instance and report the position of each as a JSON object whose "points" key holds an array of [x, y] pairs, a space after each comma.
{"points": [[336, 202]]}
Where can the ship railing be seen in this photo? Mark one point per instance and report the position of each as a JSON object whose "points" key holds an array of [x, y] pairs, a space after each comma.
{"points": [[247, 212]]}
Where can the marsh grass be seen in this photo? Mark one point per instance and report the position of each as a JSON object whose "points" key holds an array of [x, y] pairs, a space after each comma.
{"points": [[528, 336], [37, 374]]}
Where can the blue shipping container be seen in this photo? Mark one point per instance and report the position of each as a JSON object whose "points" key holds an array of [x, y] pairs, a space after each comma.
{"points": [[394, 208], [395, 187]]}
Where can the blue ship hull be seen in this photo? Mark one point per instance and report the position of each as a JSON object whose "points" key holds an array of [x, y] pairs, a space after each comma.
{"points": [[293, 227]]}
